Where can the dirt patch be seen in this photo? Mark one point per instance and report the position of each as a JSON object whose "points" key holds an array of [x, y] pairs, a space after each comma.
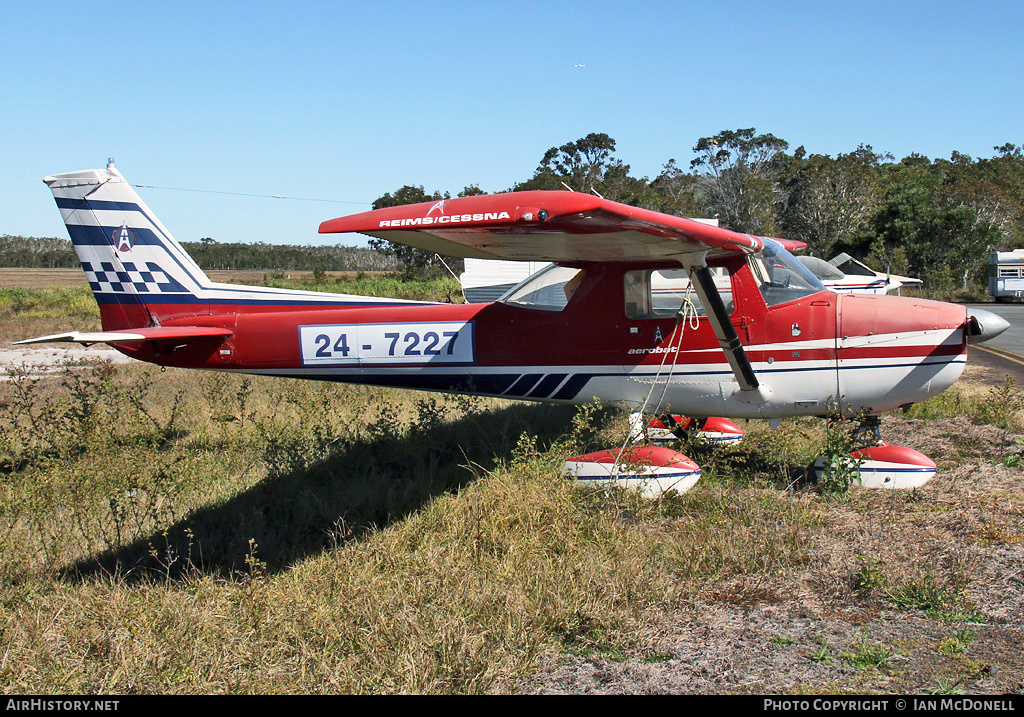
{"points": [[836, 624], [48, 358]]}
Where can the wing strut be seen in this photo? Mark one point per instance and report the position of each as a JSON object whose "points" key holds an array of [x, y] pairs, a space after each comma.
{"points": [[703, 282]]}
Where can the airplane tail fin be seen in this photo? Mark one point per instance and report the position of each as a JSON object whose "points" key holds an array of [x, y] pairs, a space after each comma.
{"points": [[138, 273]]}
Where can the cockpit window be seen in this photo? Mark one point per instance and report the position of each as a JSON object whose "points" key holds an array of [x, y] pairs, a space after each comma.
{"points": [[549, 289], [662, 293], [780, 277]]}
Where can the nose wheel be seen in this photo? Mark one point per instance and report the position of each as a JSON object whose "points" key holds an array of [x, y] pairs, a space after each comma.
{"points": [[868, 432], [873, 463]]}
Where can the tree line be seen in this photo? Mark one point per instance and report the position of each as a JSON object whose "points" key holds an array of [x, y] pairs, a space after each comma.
{"points": [[934, 219], [53, 253]]}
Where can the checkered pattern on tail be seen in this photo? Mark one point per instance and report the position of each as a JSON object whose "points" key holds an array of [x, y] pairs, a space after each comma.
{"points": [[105, 278]]}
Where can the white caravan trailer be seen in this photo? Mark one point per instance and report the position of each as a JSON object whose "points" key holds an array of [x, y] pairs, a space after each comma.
{"points": [[1006, 274]]}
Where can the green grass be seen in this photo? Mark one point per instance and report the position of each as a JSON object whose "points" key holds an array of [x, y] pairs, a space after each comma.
{"points": [[1001, 406], [957, 644], [923, 589], [865, 655], [51, 302], [78, 301], [26, 313]]}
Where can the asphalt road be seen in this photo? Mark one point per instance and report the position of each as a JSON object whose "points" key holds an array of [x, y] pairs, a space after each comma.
{"points": [[1006, 351]]}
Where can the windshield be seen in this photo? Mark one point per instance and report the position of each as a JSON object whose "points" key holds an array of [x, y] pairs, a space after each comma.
{"points": [[549, 289], [780, 276]]}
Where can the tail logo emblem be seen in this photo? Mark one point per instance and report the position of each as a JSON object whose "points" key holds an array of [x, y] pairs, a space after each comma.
{"points": [[124, 238]]}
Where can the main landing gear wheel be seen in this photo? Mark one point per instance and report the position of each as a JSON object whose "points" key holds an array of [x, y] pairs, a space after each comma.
{"points": [[652, 470], [669, 428]]}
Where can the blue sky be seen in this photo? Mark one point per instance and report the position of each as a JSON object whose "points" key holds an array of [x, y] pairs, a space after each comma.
{"points": [[346, 101]]}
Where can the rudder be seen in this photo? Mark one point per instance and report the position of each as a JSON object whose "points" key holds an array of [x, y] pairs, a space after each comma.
{"points": [[137, 271]]}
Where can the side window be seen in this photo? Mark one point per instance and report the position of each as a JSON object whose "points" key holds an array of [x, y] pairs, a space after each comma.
{"points": [[548, 290], [638, 294], [661, 293]]}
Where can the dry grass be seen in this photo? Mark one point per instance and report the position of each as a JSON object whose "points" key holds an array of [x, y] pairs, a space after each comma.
{"points": [[184, 532], [69, 278], [181, 532], [198, 533], [41, 278]]}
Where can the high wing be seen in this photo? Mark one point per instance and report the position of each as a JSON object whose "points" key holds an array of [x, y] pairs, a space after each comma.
{"points": [[544, 226], [567, 227]]}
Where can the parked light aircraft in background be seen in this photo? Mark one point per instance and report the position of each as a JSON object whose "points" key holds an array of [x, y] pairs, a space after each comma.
{"points": [[746, 332], [845, 274]]}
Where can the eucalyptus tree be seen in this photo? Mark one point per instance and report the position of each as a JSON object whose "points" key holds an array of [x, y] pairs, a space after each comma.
{"points": [[589, 165], [994, 188], [582, 164], [414, 262], [675, 191], [418, 263], [737, 172], [829, 203]]}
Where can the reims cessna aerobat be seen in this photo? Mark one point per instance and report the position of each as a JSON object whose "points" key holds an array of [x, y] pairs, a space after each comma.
{"points": [[658, 315]]}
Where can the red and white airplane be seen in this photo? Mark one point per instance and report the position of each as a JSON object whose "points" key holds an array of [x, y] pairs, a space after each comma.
{"points": [[753, 335]]}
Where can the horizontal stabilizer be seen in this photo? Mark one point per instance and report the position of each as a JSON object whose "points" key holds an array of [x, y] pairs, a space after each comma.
{"points": [[153, 333]]}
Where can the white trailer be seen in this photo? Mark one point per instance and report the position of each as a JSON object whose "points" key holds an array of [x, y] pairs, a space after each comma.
{"points": [[1006, 274]]}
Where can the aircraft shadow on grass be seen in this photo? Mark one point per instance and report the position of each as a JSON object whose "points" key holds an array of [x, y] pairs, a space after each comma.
{"points": [[359, 486]]}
